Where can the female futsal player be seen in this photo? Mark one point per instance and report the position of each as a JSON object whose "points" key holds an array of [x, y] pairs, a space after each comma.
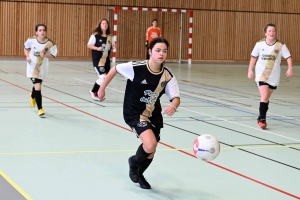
{"points": [[268, 52], [37, 50], [101, 43], [147, 81]]}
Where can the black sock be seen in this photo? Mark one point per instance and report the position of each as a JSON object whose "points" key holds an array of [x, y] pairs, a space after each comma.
{"points": [[263, 107], [141, 155], [38, 98], [96, 87], [144, 165], [33, 92]]}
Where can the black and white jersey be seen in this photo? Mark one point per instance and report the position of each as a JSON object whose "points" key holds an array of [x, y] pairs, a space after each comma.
{"points": [[143, 91], [101, 58]]}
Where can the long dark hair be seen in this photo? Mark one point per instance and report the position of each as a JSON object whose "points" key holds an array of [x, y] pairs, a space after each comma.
{"points": [[98, 28]]}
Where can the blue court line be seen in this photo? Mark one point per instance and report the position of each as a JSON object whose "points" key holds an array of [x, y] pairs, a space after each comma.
{"points": [[251, 113]]}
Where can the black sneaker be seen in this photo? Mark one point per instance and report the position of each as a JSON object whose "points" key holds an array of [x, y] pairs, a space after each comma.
{"points": [[133, 171], [143, 183]]}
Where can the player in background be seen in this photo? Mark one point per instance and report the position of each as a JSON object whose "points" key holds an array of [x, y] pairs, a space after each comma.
{"points": [[38, 49], [268, 53], [151, 33], [101, 43], [147, 81]]}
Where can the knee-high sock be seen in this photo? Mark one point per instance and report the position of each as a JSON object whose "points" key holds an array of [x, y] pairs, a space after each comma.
{"points": [[140, 155], [96, 87], [263, 107], [38, 99], [144, 165], [33, 92]]}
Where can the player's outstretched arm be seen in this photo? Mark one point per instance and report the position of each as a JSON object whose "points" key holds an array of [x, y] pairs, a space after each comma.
{"points": [[111, 74]]}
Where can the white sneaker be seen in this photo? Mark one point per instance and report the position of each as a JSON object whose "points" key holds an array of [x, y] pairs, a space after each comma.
{"points": [[94, 96]]}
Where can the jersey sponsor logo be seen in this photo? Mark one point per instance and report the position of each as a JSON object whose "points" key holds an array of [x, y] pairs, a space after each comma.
{"points": [[142, 124], [144, 81], [149, 96], [268, 57]]}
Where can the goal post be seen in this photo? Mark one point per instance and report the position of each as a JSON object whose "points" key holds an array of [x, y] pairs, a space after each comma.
{"points": [[180, 11]]}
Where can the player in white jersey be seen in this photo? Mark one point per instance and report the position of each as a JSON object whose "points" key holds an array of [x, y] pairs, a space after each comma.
{"points": [[38, 49], [268, 53], [147, 81], [100, 43]]}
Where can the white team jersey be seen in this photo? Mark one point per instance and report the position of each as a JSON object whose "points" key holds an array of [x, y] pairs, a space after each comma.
{"points": [[38, 67], [267, 68]]}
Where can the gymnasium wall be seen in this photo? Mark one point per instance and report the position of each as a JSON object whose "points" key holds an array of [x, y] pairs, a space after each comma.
{"points": [[222, 30]]}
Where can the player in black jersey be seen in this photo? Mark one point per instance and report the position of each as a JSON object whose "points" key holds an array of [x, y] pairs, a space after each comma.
{"points": [[101, 43], [147, 81]]}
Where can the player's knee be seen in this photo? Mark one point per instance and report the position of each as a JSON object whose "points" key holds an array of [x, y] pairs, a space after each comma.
{"points": [[101, 79], [150, 146]]}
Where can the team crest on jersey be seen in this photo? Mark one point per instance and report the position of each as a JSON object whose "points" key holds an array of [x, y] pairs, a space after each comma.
{"points": [[142, 124], [276, 51], [163, 84]]}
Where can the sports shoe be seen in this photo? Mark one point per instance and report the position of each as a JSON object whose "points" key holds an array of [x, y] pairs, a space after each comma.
{"points": [[143, 183], [32, 101], [94, 95], [133, 171], [262, 123], [41, 112]]}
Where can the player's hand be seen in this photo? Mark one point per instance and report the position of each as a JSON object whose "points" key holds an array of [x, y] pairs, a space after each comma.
{"points": [[250, 74], [99, 48], [101, 94], [289, 73], [146, 44], [42, 54], [114, 45], [28, 59], [170, 110]]}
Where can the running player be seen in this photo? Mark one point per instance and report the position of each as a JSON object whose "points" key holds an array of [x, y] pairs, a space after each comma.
{"points": [[151, 33], [268, 52], [101, 43], [147, 81], [37, 50]]}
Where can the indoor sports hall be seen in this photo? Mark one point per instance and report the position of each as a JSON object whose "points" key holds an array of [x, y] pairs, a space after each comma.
{"points": [[79, 149]]}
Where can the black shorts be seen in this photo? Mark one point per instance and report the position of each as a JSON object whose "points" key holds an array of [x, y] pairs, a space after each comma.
{"points": [[260, 83], [36, 80], [143, 126]]}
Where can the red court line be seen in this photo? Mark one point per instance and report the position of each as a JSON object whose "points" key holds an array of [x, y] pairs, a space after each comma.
{"points": [[184, 152]]}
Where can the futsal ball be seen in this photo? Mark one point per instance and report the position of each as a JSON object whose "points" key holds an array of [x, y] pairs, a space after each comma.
{"points": [[206, 147]]}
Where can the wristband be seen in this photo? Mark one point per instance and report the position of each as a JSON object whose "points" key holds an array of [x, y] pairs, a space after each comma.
{"points": [[174, 108]]}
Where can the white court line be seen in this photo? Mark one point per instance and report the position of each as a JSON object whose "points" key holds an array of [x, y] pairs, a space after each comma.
{"points": [[180, 107], [225, 102]]}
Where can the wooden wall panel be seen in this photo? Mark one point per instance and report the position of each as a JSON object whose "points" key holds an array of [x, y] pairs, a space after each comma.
{"points": [[217, 35]]}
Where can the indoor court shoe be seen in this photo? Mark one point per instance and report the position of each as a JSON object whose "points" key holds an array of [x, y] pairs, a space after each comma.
{"points": [[143, 183], [32, 101], [94, 96], [262, 123], [133, 171], [41, 112]]}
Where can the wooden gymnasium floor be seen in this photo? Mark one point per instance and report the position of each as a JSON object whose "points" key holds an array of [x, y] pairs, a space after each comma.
{"points": [[79, 150]]}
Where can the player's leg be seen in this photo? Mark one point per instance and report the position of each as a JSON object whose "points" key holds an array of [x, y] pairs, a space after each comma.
{"points": [[100, 70], [32, 97], [144, 153], [38, 95], [265, 94]]}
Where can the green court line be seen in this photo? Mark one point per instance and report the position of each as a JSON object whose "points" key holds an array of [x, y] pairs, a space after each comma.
{"points": [[12, 183]]}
